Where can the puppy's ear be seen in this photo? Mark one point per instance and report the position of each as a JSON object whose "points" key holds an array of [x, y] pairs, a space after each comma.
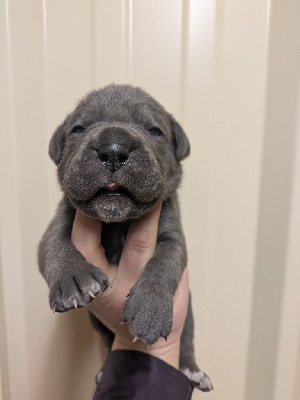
{"points": [[180, 141], [57, 144]]}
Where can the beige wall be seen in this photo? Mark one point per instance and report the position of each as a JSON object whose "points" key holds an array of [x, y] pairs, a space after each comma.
{"points": [[229, 71]]}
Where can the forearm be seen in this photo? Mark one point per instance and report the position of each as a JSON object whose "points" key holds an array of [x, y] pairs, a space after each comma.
{"points": [[167, 351]]}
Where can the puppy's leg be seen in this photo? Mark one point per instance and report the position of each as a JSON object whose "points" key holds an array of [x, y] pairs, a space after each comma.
{"points": [[149, 307], [187, 362], [73, 282]]}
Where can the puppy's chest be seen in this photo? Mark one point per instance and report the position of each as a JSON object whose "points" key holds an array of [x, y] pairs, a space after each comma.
{"points": [[113, 239]]}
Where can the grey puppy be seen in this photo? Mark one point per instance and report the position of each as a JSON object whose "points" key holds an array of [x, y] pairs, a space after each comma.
{"points": [[118, 156]]}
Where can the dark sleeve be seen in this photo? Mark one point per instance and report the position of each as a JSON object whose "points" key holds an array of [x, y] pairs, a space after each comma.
{"points": [[133, 375]]}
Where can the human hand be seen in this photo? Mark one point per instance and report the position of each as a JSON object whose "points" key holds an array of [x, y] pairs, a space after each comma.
{"points": [[107, 307]]}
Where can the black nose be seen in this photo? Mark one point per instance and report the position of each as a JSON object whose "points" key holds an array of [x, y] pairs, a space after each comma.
{"points": [[113, 156]]}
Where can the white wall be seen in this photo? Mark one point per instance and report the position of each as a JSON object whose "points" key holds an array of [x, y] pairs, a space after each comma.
{"points": [[229, 71]]}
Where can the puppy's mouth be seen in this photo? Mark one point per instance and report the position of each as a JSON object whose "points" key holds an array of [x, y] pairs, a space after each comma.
{"points": [[113, 190]]}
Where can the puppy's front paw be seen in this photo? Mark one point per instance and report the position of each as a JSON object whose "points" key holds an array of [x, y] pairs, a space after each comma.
{"points": [[149, 314], [77, 289]]}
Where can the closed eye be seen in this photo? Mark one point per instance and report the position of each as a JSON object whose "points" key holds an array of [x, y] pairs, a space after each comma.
{"points": [[156, 131], [78, 129]]}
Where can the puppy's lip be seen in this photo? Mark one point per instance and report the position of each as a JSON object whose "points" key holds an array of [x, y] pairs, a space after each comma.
{"points": [[113, 189]]}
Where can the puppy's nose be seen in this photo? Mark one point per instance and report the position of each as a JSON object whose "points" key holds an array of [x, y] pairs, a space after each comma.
{"points": [[113, 156]]}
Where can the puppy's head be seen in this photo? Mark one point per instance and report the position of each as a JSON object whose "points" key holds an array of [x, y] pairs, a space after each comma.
{"points": [[118, 154]]}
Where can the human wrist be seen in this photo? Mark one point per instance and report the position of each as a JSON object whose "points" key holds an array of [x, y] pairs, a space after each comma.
{"points": [[166, 351]]}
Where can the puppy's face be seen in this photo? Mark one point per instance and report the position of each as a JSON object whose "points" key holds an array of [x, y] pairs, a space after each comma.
{"points": [[118, 154]]}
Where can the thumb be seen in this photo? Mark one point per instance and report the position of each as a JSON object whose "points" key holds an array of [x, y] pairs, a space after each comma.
{"points": [[139, 246], [86, 237]]}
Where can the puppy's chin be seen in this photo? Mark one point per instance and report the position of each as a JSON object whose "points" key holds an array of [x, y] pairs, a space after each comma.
{"points": [[114, 208]]}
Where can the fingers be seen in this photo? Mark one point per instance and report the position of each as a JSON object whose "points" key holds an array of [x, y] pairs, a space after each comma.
{"points": [[139, 246], [86, 231], [86, 237]]}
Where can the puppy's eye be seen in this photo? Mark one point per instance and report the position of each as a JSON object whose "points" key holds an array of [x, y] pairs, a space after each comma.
{"points": [[78, 129], [155, 132]]}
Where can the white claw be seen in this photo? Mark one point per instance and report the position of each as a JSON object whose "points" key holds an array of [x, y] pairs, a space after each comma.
{"points": [[149, 347], [135, 339], [53, 309], [91, 294], [122, 323], [75, 303]]}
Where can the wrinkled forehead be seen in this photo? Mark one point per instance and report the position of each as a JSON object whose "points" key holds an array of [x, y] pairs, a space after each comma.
{"points": [[119, 105]]}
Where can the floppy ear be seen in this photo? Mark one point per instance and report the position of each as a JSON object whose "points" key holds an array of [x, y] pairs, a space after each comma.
{"points": [[57, 144], [180, 141]]}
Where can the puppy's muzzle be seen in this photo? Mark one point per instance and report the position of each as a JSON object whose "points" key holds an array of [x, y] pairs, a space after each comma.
{"points": [[113, 156], [114, 146]]}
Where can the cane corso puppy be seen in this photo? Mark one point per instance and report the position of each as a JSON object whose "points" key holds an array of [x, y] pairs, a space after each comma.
{"points": [[118, 156]]}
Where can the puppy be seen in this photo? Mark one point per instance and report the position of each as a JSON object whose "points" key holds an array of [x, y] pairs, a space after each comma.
{"points": [[118, 156]]}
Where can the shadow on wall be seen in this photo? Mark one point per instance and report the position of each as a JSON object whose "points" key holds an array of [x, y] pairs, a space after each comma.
{"points": [[275, 201], [78, 346]]}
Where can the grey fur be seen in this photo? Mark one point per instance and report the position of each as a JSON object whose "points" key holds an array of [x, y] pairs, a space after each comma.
{"points": [[121, 136]]}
